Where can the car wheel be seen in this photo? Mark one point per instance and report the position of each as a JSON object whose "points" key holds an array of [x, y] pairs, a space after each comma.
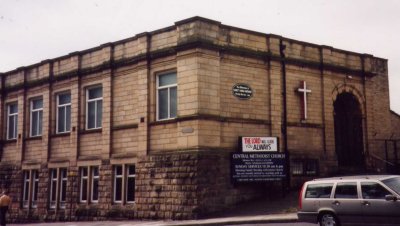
{"points": [[328, 219]]}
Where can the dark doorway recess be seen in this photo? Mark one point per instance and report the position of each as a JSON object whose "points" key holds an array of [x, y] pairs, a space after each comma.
{"points": [[348, 132]]}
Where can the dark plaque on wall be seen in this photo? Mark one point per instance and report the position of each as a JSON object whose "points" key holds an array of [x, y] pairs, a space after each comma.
{"points": [[242, 91], [257, 167]]}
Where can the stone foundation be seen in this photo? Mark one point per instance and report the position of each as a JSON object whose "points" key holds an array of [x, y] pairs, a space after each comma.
{"points": [[176, 186], [187, 186]]}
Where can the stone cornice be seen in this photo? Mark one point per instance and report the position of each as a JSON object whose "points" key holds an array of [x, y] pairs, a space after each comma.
{"points": [[190, 44], [210, 117]]}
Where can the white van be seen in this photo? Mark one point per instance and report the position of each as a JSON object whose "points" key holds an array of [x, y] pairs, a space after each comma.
{"points": [[351, 200]]}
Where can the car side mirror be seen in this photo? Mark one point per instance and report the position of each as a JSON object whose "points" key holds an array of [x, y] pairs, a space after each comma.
{"points": [[390, 198]]}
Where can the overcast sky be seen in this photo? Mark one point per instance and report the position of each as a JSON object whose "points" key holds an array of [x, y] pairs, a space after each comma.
{"points": [[35, 30]]}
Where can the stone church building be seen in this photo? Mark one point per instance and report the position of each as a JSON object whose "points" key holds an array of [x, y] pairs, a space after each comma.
{"points": [[144, 127]]}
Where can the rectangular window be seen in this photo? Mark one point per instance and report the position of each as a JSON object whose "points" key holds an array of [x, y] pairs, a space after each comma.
{"points": [[130, 185], [297, 168], [304, 167], [63, 113], [53, 188], [311, 168], [35, 188], [94, 107], [30, 188], [90, 178], [12, 121], [319, 191], [166, 96], [373, 190], [95, 184], [58, 185], [118, 184], [36, 117], [25, 198], [346, 190], [124, 183], [84, 184], [63, 188]]}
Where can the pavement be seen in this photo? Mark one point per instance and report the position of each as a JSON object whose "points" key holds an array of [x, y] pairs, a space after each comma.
{"points": [[272, 209]]}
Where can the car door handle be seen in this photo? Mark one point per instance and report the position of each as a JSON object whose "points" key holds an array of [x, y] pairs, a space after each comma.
{"points": [[336, 203], [366, 203]]}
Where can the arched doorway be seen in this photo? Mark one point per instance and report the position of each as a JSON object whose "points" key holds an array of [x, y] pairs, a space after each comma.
{"points": [[348, 132]]}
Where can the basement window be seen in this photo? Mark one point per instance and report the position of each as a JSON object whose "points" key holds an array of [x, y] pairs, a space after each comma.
{"points": [[58, 188], [124, 184], [89, 184], [30, 188], [304, 167]]}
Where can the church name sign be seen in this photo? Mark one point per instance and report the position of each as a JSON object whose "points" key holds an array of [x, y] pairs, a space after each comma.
{"points": [[257, 167], [242, 91], [257, 160]]}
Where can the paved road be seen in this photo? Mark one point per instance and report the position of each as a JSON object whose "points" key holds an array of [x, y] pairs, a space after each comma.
{"points": [[143, 223], [279, 224]]}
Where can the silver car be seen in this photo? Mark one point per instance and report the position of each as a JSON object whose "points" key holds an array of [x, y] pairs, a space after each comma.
{"points": [[352, 200]]}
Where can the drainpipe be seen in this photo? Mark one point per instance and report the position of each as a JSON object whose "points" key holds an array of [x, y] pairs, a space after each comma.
{"points": [[3, 93], [77, 131], [365, 118], [282, 48], [23, 132], [112, 74], [148, 62], [321, 71], [49, 126]]}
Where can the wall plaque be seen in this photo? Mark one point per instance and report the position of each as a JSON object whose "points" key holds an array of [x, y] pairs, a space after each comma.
{"points": [[242, 91]]}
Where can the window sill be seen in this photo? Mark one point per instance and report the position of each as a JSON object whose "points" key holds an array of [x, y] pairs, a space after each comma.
{"points": [[61, 134], [88, 204], [99, 130], [164, 121], [34, 138], [124, 204]]}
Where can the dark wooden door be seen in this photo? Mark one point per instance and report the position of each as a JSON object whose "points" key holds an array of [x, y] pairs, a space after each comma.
{"points": [[348, 131]]}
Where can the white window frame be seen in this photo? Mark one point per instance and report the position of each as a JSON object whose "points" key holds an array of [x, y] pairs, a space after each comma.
{"points": [[53, 178], [25, 192], [40, 126], [115, 183], [168, 87], [15, 116], [65, 106], [87, 184], [93, 178], [63, 179], [127, 182], [29, 192], [35, 179], [96, 100]]}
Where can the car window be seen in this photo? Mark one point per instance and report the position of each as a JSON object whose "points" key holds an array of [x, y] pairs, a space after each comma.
{"points": [[373, 190], [319, 190], [346, 190], [393, 183]]}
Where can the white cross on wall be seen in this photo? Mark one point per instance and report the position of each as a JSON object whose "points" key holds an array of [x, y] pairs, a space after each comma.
{"points": [[303, 90]]}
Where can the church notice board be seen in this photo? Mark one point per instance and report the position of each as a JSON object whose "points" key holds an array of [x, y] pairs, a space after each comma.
{"points": [[258, 160]]}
